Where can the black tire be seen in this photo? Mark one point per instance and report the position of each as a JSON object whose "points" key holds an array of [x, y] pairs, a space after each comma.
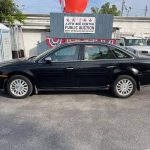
{"points": [[26, 81], [117, 92]]}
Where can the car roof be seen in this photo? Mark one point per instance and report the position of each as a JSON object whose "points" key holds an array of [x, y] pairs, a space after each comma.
{"points": [[131, 37], [82, 43]]}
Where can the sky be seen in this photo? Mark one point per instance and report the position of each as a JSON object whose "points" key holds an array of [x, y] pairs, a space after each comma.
{"points": [[47, 6]]}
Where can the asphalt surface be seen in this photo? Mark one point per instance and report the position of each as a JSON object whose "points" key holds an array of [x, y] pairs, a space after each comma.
{"points": [[75, 121]]}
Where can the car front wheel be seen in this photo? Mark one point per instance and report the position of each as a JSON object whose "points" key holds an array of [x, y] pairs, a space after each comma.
{"points": [[19, 87], [124, 86]]}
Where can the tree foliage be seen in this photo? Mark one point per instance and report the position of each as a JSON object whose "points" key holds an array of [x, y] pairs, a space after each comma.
{"points": [[10, 12], [107, 9]]}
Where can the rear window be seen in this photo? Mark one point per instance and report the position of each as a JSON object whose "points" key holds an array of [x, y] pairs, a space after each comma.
{"points": [[120, 54]]}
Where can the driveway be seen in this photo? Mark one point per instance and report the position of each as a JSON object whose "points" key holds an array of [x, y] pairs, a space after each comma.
{"points": [[75, 121]]}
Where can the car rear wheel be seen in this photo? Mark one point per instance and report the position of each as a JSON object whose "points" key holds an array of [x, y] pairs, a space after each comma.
{"points": [[19, 87], [124, 86]]}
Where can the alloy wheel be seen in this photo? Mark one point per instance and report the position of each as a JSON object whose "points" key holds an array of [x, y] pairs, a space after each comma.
{"points": [[19, 87], [124, 87]]}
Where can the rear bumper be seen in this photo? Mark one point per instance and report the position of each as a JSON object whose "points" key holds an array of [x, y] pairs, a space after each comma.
{"points": [[145, 79], [144, 86]]}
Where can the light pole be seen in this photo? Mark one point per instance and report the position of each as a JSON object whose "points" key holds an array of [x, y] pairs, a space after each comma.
{"points": [[122, 9]]}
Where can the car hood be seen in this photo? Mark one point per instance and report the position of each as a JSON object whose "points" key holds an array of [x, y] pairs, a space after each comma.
{"points": [[139, 48], [13, 62]]}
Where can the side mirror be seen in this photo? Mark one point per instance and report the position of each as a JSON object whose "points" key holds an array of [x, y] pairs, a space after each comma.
{"points": [[48, 60]]}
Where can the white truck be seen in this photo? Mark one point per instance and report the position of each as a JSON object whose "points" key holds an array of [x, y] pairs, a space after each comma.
{"points": [[136, 45]]}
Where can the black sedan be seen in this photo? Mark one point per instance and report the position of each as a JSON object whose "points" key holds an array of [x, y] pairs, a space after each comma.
{"points": [[76, 66]]}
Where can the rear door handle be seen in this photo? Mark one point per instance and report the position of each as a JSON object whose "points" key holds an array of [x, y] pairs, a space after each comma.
{"points": [[110, 67]]}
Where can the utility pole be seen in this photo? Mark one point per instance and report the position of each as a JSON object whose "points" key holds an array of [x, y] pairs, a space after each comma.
{"points": [[128, 10], [122, 9], [146, 10]]}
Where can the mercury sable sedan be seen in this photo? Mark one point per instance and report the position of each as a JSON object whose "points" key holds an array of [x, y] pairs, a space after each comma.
{"points": [[76, 66]]}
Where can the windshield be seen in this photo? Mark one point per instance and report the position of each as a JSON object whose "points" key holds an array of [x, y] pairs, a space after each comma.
{"points": [[135, 42], [43, 54], [120, 42]]}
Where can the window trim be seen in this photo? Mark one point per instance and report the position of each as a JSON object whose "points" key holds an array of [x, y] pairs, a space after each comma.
{"points": [[81, 48]]}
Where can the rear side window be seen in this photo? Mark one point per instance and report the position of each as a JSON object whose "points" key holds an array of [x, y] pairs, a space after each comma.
{"points": [[120, 54], [95, 52]]}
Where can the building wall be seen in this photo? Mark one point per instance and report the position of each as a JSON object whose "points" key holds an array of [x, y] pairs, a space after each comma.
{"points": [[137, 26], [37, 28], [35, 31], [32, 40]]}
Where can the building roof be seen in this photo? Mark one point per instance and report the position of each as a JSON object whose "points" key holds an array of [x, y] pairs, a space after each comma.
{"points": [[3, 27]]}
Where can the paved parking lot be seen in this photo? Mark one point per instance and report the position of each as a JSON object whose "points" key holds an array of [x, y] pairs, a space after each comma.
{"points": [[75, 121]]}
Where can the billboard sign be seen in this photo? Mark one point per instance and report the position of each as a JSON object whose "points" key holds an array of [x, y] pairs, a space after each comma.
{"points": [[79, 24]]}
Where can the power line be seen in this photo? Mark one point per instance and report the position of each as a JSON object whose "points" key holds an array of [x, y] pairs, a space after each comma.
{"points": [[126, 8], [138, 9]]}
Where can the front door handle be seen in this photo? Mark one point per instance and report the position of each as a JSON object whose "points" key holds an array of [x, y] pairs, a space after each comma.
{"points": [[70, 68], [111, 67]]}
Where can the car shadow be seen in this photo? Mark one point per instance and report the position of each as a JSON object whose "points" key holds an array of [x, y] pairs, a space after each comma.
{"points": [[100, 93], [3, 94], [104, 93]]}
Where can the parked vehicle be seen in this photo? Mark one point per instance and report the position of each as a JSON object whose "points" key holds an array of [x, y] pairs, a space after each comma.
{"points": [[76, 66], [148, 41], [136, 45]]}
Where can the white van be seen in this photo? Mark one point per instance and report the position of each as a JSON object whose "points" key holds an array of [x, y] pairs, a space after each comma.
{"points": [[136, 45]]}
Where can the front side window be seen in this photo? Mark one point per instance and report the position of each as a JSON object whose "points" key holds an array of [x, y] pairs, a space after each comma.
{"points": [[65, 54], [95, 52]]}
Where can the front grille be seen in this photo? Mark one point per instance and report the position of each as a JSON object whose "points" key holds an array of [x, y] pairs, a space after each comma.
{"points": [[144, 52]]}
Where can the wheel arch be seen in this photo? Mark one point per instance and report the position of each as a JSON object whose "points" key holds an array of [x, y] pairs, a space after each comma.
{"points": [[134, 75], [27, 75]]}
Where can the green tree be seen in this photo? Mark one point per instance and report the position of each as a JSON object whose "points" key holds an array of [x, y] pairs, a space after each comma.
{"points": [[107, 9], [10, 12]]}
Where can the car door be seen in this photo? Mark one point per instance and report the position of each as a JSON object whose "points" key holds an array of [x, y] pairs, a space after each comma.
{"points": [[97, 66], [62, 72]]}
